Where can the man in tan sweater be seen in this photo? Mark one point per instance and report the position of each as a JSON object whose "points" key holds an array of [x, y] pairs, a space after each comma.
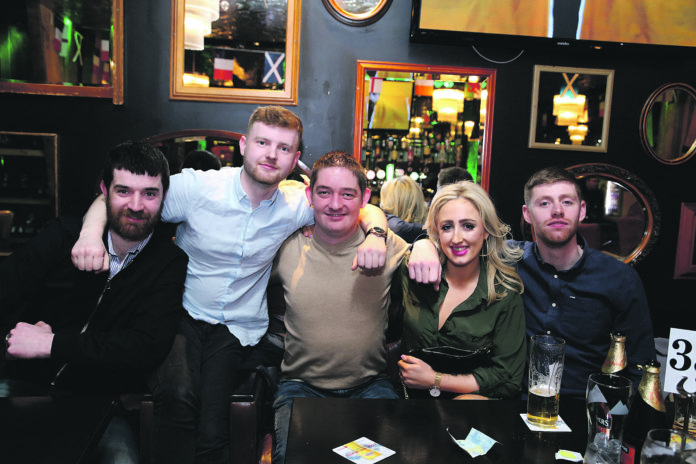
{"points": [[336, 319]]}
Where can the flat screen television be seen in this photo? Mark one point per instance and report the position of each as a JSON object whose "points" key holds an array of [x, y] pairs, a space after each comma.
{"points": [[594, 24]]}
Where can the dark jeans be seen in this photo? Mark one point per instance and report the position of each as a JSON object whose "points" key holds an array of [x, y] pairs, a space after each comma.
{"points": [[191, 393], [380, 387]]}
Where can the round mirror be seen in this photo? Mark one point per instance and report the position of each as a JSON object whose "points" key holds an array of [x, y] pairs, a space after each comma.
{"points": [[668, 123], [357, 12], [623, 218]]}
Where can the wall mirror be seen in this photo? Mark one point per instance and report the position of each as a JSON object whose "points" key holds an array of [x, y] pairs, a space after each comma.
{"points": [[244, 51], [357, 12], [413, 119], [62, 47], [28, 186], [571, 108], [623, 217], [177, 144], [668, 123]]}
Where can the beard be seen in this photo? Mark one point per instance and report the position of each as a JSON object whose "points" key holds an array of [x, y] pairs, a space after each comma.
{"points": [[119, 223], [556, 239], [261, 177]]}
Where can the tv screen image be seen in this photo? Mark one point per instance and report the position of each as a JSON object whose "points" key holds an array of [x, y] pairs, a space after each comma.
{"points": [[648, 22]]}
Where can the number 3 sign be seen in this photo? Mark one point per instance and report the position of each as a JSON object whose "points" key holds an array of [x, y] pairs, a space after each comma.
{"points": [[681, 360]]}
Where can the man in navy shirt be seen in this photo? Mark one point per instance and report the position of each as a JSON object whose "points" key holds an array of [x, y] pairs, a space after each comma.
{"points": [[575, 292]]}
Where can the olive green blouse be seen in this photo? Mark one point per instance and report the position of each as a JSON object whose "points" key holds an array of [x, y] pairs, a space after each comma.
{"points": [[473, 324]]}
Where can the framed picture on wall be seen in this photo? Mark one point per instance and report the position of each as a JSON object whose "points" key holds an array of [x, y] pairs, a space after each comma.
{"points": [[571, 108], [685, 263], [241, 52]]}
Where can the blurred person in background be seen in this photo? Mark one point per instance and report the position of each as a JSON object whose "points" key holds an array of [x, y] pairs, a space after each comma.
{"points": [[403, 203]]}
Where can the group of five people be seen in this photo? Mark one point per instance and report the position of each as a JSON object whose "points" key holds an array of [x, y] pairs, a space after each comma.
{"points": [[469, 286]]}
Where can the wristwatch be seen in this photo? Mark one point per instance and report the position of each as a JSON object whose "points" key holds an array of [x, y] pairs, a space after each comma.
{"points": [[377, 232], [435, 389]]}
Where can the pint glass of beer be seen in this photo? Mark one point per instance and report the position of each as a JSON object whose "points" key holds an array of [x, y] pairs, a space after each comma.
{"points": [[546, 357]]}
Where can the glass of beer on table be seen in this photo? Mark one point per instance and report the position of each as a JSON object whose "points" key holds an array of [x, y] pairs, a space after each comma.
{"points": [[546, 357]]}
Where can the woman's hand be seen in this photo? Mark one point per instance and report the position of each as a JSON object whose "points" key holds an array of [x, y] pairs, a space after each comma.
{"points": [[416, 373]]}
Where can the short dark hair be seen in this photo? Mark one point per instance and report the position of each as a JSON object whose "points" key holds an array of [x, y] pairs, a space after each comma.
{"points": [[550, 175], [139, 158], [452, 175], [339, 159]]}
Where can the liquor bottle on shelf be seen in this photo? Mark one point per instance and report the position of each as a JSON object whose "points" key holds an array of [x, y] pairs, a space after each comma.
{"points": [[393, 145], [647, 412], [616, 360]]}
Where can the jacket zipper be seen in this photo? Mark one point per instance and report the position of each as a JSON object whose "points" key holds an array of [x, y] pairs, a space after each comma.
{"points": [[107, 287]]}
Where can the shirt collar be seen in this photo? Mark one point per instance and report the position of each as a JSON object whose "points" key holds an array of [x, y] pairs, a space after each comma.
{"points": [[480, 292], [115, 263], [576, 267]]}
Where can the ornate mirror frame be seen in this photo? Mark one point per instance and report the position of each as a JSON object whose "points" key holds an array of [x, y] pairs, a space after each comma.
{"points": [[642, 193], [675, 129], [113, 91], [287, 96], [485, 74], [371, 11]]}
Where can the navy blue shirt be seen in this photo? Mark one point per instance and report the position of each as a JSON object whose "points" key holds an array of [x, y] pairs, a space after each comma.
{"points": [[409, 231], [582, 305]]}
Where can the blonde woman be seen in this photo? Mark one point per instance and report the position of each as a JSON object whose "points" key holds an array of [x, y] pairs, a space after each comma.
{"points": [[403, 203], [477, 305]]}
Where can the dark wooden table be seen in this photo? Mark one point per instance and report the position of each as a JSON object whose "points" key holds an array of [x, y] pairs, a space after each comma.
{"points": [[416, 430], [51, 430]]}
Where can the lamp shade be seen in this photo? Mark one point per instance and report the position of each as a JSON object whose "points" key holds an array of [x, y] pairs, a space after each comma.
{"points": [[448, 103], [197, 18]]}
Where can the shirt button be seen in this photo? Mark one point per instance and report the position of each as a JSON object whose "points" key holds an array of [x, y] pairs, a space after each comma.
{"points": [[555, 276], [553, 305]]}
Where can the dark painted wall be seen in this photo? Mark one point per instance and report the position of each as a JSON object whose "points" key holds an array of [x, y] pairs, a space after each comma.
{"points": [[329, 50]]}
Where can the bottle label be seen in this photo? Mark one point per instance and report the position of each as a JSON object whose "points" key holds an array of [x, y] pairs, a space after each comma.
{"points": [[628, 454]]}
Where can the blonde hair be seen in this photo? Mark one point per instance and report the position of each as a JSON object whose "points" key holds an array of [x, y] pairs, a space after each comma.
{"points": [[403, 198], [497, 252]]}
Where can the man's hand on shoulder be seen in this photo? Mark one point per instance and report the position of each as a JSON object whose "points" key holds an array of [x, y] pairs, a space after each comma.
{"points": [[424, 263], [372, 253], [27, 341]]}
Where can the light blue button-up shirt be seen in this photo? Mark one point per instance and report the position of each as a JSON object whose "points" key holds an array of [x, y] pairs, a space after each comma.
{"points": [[230, 245]]}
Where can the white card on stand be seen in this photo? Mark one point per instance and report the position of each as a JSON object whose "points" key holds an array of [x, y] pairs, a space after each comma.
{"points": [[681, 360]]}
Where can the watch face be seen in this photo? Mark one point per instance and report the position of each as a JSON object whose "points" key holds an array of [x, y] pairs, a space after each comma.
{"points": [[434, 391], [378, 232]]}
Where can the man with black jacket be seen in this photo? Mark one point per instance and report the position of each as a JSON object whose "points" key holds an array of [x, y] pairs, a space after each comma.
{"points": [[98, 333]]}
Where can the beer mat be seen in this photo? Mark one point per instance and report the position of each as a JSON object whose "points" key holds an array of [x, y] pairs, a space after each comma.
{"points": [[560, 426], [363, 450], [476, 443], [568, 455]]}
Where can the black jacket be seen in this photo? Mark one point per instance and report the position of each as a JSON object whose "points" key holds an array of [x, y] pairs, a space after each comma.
{"points": [[131, 330]]}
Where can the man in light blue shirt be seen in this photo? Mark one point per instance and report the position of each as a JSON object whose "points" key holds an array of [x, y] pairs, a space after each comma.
{"points": [[231, 223]]}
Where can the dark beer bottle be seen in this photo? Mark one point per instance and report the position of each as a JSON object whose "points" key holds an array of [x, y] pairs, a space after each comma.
{"points": [[616, 357], [647, 412]]}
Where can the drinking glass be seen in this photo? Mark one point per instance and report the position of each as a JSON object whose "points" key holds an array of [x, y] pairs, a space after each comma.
{"points": [[668, 446], [546, 357], [682, 404], [607, 399]]}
